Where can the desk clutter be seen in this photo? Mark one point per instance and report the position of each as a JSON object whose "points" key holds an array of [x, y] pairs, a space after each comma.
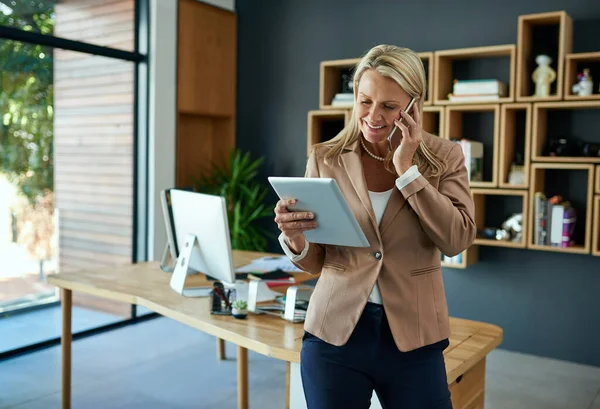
{"points": [[269, 264], [238, 301]]}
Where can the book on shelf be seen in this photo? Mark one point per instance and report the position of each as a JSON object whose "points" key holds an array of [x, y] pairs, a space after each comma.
{"points": [[477, 90], [479, 87], [473, 98], [343, 99], [554, 221]]}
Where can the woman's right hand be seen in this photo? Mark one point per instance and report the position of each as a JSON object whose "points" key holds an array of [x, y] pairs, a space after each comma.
{"points": [[293, 224]]}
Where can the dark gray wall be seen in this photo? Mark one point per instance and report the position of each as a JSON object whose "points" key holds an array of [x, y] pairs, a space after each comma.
{"points": [[548, 304]]}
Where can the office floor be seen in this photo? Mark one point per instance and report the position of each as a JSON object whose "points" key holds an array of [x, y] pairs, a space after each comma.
{"points": [[28, 328], [163, 364]]}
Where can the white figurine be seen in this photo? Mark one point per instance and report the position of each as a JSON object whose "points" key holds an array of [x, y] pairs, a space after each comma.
{"points": [[585, 86], [543, 76]]}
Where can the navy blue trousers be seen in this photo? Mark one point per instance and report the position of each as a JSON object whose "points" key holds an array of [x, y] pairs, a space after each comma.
{"points": [[345, 376]]}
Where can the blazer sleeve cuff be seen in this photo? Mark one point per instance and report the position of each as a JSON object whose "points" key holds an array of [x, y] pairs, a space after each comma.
{"points": [[407, 177], [288, 252], [415, 186]]}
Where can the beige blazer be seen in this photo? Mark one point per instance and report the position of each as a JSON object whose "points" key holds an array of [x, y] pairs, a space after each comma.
{"points": [[428, 215]]}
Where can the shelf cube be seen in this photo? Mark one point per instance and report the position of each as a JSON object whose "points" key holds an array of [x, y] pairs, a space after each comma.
{"points": [[479, 123], [577, 121], [572, 181], [576, 63], [325, 125], [542, 33], [515, 139], [474, 63], [493, 207]]}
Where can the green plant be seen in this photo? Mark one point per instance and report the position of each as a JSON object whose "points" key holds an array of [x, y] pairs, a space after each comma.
{"points": [[240, 304], [245, 197], [27, 100]]}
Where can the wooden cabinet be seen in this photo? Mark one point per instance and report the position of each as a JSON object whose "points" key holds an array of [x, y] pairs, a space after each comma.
{"points": [[206, 88], [467, 391]]}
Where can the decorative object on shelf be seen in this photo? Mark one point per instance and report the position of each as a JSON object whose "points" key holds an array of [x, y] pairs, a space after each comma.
{"points": [[590, 149], [543, 76], [561, 147], [239, 309], [245, 196], [347, 82], [345, 98], [511, 230], [516, 174], [585, 86]]}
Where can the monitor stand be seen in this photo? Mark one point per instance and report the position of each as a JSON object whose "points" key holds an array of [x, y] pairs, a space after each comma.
{"points": [[166, 261], [188, 254]]}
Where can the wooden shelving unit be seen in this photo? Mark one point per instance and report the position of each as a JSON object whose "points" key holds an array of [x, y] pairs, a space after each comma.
{"points": [[479, 196], [575, 63], [522, 124], [325, 124], [454, 129], [433, 120], [469, 257], [444, 74], [540, 130], [331, 79], [538, 184], [515, 136], [596, 227], [429, 64], [535, 32]]}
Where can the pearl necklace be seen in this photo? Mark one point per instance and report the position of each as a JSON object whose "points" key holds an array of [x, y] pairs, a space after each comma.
{"points": [[379, 158]]}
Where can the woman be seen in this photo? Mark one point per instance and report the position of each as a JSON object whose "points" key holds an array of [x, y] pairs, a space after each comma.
{"points": [[378, 318]]}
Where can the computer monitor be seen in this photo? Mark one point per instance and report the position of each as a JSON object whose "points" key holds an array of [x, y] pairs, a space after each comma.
{"points": [[202, 235]]}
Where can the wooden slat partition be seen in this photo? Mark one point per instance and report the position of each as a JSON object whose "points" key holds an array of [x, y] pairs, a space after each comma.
{"points": [[93, 133]]}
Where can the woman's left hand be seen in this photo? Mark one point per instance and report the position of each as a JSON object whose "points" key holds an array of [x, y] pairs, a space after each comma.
{"points": [[411, 138]]}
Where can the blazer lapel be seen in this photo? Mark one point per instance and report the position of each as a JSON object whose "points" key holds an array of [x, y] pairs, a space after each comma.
{"points": [[354, 169], [395, 204]]}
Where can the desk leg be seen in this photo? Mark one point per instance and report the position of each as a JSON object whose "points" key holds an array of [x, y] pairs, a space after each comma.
{"points": [[66, 299], [220, 349], [242, 368], [288, 369]]}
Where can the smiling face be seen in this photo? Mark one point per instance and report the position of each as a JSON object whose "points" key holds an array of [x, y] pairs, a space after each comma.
{"points": [[378, 104]]}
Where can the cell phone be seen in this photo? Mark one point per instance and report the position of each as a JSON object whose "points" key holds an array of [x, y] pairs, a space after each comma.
{"points": [[407, 109]]}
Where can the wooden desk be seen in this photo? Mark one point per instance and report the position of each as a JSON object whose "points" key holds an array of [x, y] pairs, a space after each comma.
{"points": [[146, 285]]}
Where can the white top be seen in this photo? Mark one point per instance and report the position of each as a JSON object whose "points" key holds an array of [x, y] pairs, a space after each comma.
{"points": [[379, 202]]}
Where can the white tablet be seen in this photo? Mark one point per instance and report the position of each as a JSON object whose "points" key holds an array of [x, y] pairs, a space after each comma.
{"points": [[336, 223]]}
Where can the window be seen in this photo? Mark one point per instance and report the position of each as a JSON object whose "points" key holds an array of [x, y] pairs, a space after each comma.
{"points": [[72, 105]]}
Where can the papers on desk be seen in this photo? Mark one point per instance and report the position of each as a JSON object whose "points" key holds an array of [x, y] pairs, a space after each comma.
{"points": [[264, 292], [269, 264]]}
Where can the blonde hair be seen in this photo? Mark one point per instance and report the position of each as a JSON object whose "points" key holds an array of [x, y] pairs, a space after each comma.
{"points": [[406, 68]]}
